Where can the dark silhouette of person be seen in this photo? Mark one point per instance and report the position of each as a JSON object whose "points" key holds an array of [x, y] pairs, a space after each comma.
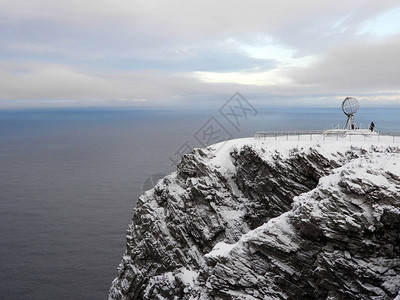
{"points": [[372, 126]]}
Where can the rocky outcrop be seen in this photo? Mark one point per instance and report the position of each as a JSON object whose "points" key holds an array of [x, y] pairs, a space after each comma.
{"points": [[251, 220]]}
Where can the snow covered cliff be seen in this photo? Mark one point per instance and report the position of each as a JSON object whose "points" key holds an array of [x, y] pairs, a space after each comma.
{"points": [[269, 220]]}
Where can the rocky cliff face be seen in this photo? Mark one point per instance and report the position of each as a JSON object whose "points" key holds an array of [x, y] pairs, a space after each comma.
{"points": [[255, 220]]}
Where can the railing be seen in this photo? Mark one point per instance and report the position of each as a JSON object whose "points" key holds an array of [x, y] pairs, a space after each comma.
{"points": [[357, 135]]}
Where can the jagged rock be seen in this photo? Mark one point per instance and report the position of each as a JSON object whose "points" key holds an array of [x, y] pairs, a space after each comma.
{"points": [[253, 220]]}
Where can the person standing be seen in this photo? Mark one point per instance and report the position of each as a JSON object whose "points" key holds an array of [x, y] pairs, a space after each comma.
{"points": [[372, 126]]}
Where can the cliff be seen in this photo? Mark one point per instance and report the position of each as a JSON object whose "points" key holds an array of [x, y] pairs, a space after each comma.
{"points": [[258, 220]]}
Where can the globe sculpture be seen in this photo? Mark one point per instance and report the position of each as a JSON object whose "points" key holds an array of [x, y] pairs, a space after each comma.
{"points": [[350, 106]]}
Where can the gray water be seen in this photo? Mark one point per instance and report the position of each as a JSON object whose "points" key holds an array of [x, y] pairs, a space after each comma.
{"points": [[70, 179]]}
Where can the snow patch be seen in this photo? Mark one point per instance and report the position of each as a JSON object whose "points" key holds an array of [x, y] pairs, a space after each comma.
{"points": [[221, 249]]}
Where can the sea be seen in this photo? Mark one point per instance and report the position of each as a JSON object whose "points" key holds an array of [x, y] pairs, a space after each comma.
{"points": [[70, 178]]}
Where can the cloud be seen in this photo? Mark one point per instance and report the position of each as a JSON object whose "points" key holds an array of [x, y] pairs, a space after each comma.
{"points": [[95, 52], [360, 67], [338, 23], [44, 83], [161, 22], [205, 59]]}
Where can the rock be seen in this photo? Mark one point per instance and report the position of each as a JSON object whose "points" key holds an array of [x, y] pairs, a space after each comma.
{"points": [[268, 221]]}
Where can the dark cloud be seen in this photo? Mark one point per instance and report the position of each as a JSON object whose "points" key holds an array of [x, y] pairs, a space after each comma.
{"points": [[362, 67], [48, 82]]}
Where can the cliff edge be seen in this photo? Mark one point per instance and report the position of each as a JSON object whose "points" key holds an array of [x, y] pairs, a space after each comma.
{"points": [[250, 219]]}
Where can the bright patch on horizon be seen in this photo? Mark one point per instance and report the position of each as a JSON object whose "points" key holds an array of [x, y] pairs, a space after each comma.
{"points": [[268, 78], [283, 55], [268, 50]]}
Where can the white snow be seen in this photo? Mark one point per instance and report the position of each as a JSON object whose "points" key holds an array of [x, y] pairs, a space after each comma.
{"points": [[221, 249], [188, 277]]}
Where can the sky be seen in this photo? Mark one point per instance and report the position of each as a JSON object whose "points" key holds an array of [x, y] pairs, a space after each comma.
{"points": [[175, 53]]}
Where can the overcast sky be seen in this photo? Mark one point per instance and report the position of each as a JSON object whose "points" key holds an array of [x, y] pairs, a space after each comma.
{"points": [[176, 53]]}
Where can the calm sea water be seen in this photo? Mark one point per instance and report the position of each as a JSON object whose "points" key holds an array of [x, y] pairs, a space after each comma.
{"points": [[70, 179]]}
